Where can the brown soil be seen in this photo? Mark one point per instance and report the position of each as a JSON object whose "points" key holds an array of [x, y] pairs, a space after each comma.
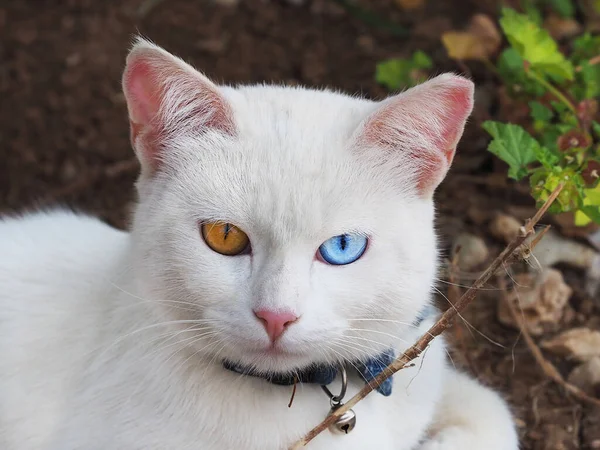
{"points": [[64, 135]]}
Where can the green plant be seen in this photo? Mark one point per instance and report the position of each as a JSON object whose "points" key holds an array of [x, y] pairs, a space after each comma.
{"points": [[399, 73], [562, 143]]}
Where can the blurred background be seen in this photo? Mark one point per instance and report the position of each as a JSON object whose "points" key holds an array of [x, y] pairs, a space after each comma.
{"points": [[64, 139]]}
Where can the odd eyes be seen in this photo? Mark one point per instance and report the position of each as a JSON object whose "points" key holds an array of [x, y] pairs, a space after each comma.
{"points": [[343, 249], [227, 239]]}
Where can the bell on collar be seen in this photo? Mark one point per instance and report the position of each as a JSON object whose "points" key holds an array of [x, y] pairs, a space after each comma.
{"points": [[345, 423]]}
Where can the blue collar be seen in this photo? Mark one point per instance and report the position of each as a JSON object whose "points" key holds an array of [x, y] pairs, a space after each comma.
{"points": [[324, 374]]}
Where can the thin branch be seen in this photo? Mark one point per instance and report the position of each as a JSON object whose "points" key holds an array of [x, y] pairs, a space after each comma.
{"points": [[442, 324], [547, 367]]}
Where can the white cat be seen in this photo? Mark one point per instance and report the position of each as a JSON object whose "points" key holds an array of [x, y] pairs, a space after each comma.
{"points": [[278, 231]]}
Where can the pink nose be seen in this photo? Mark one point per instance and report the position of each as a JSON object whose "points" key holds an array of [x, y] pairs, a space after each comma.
{"points": [[275, 322]]}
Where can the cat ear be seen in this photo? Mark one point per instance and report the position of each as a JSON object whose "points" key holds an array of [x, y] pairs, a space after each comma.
{"points": [[166, 96], [421, 127]]}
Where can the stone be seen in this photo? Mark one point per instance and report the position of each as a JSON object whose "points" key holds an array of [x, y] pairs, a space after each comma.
{"points": [[579, 344], [504, 227], [587, 376], [541, 299], [472, 253]]}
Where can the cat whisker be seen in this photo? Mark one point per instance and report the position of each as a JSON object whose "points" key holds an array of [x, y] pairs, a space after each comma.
{"points": [[193, 339], [145, 328], [439, 280], [467, 323], [396, 337], [342, 360], [374, 319], [193, 306]]}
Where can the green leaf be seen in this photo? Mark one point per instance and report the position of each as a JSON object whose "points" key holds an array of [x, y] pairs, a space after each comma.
{"points": [[512, 144], [591, 196], [510, 68], [543, 181], [546, 157], [587, 82], [585, 47], [596, 128], [535, 45], [581, 218], [540, 112], [590, 75], [421, 60], [531, 10], [399, 73], [559, 107], [551, 133], [593, 212], [563, 7]]}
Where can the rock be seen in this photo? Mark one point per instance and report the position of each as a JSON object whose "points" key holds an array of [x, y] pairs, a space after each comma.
{"points": [[473, 251], [587, 376], [504, 227], [478, 215], [541, 298], [579, 344], [554, 249]]}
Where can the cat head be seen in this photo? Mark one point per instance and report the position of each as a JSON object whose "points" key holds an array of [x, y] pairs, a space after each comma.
{"points": [[279, 227]]}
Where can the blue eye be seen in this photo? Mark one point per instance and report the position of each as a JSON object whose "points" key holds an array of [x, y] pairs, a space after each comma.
{"points": [[343, 249]]}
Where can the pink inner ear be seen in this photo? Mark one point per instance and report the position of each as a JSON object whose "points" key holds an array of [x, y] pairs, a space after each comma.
{"points": [[461, 102], [423, 125], [144, 93], [166, 96]]}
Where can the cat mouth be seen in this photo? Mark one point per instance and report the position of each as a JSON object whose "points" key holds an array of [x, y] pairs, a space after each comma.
{"points": [[278, 351]]}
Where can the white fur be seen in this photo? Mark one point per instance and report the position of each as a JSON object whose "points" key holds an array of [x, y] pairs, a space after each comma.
{"points": [[114, 341]]}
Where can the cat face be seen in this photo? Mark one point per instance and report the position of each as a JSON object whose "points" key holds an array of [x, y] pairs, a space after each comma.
{"points": [[282, 227]]}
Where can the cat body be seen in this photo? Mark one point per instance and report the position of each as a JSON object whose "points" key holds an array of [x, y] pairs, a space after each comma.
{"points": [[112, 340]]}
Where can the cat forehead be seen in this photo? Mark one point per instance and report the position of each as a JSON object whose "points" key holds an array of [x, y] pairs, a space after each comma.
{"points": [[296, 113], [291, 166]]}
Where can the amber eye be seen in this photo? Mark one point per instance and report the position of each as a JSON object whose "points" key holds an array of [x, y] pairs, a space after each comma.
{"points": [[225, 238]]}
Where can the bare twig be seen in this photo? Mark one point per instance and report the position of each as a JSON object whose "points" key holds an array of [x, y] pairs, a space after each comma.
{"points": [[547, 367], [89, 178], [436, 329], [524, 251]]}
